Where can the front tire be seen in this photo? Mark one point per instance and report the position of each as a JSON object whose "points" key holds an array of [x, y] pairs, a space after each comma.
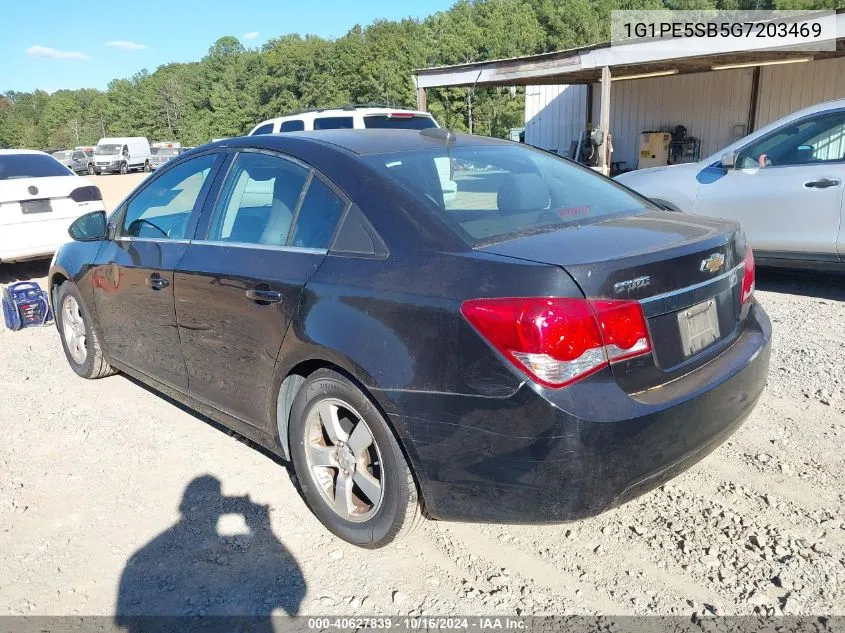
{"points": [[147, 167], [79, 338], [350, 468], [124, 168]]}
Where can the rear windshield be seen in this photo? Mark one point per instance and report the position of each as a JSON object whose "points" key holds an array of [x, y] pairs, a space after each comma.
{"points": [[495, 193], [165, 151], [333, 123], [61, 155], [399, 122], [14, 166]]}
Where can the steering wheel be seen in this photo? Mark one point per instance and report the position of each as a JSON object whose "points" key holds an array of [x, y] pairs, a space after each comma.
{"points": [[134, 227]]}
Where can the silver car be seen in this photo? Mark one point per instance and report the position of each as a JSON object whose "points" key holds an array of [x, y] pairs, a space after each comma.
{"points": [[76, 160]]}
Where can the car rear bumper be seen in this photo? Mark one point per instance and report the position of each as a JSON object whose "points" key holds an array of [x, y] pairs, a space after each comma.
{"points": [[542, 456]]}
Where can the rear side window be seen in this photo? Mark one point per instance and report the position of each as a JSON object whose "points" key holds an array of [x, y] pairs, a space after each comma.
{"points": [[333, 123], [499, 192], [399, 122], [13, 166], [267, 128], [295, 125], [259, 200], [162, 209], [318, 217]]}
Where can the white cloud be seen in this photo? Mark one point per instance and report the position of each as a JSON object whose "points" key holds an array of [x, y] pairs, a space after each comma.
{"points": [[127, 46], [46, 51], [251, 35]]}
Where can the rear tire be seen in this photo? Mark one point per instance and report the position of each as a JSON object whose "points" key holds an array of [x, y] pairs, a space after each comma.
{"points": [[79, 338], [90, 170], [357, 462]]}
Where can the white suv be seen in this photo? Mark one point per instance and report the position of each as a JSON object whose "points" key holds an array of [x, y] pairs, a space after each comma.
{"points": [[784, 183], [347, 117], [361, 118]]}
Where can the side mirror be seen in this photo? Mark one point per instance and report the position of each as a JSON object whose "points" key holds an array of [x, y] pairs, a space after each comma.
{"points": [[90, 227], [728, 160]]}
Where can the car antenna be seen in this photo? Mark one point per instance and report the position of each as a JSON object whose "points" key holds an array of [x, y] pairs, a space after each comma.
{"points": [[441, 134]]}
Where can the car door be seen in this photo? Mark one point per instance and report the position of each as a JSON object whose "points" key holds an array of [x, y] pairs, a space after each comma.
{"points": [[237, 289], [78, 162], [133, 274], [786, 189]]}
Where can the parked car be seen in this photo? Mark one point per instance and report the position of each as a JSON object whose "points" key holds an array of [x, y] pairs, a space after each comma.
{"points": [[361, 118], [783, 183], [547, 346], [76, 160], [348, 117], [39, 198], [163, 152], [122, 155]]}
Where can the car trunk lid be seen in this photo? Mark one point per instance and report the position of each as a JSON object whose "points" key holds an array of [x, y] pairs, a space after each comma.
{"points": [[685, 271]]}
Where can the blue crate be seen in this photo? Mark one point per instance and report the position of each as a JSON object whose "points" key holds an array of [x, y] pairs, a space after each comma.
{"points": [[25, 305]]}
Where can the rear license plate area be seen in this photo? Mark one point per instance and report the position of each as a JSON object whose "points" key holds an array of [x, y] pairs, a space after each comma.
{"points": [[35, 206], [699, 327]]}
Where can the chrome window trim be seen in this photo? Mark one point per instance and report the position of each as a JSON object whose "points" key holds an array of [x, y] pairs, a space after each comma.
{"points": [[265, 247], [132, 238], [683, 297]]}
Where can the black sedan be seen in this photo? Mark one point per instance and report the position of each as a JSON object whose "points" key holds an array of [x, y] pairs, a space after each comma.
{"points": [[517, 340]]}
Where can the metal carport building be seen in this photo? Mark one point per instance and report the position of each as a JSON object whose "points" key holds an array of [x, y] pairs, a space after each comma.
{"points": [[631, 88]]}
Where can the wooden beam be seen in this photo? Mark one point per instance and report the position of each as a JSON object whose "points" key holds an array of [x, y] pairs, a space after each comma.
{"points": [[422, 100], [604, 119]]}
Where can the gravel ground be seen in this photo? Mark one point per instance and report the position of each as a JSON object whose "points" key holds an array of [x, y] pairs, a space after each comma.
{"points": [[93, 473]]}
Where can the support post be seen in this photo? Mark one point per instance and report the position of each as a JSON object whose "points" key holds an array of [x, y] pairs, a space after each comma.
{"points": [[422, 101], [604, 120]]}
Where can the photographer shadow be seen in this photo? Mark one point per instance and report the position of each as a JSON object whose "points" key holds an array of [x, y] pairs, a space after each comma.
{"points": [[192, 570]]}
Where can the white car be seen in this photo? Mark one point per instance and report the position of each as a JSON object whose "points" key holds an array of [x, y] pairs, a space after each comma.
{"points": [[39, 198], [783, 183], [361, 118], [348, 117]]}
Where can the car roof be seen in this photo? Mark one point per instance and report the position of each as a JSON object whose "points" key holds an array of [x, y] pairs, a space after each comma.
{"points": [[347, 111], [7, 152], [369, 141]]}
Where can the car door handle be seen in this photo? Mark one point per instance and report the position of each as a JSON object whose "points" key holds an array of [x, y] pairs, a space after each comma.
{"points": [[156, 282], [822, 183], [259, 295]]}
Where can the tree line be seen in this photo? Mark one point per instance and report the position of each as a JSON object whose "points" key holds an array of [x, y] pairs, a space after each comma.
{"points": [[232, 88]]}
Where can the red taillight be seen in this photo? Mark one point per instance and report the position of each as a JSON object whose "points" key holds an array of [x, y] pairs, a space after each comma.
{"points": [[559, 341], [748, 276]]}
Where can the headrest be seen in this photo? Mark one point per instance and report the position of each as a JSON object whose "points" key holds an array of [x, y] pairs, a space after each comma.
{"points": [[523, 192]]}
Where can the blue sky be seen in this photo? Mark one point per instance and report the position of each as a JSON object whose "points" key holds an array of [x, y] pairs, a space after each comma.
{"points": [[54, 44]]}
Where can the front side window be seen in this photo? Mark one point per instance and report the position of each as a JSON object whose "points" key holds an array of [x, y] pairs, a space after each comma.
{"points": [[163, 208], [333, 123], [267, 128], [258, 201], [294, 125], [819, 139], [498, 192]]}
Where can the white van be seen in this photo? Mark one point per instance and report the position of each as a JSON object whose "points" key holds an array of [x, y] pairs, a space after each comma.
{"points": [[347, 117], [122, 154]]}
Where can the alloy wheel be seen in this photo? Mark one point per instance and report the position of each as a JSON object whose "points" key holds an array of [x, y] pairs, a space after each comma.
{"points": [[73, 328], [344, 461]]}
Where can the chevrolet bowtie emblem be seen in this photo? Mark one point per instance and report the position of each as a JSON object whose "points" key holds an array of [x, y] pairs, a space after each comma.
{"points": [[713, 264]]}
